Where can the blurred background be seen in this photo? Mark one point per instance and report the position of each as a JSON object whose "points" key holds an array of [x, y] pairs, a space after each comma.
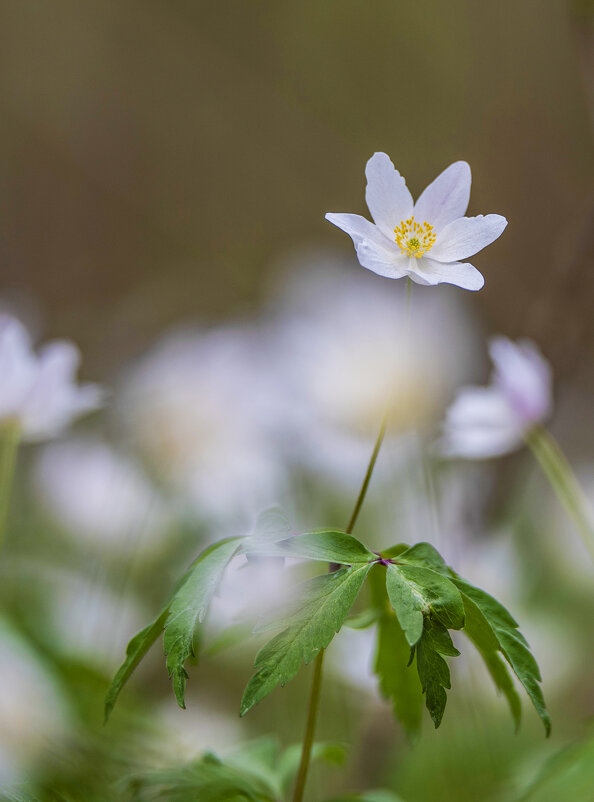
{"points": [[166, 169]]}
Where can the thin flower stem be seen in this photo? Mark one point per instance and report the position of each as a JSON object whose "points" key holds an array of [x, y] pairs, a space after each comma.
{"points": [[9, 443], [314, 698], [317, 679], [312, 715], [363, 491], [564, 482]]}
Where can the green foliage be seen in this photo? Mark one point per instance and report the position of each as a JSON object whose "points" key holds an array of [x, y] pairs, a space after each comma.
{"points": [[416, 593], [496, 621], [398, 680], [181, 615], [433, 670], [569, 774], [415, 599], [423, 554], [479, 631], [259, 771], [328, 546], [326, 601], [135, 651], [207, 779], [189, 607]]}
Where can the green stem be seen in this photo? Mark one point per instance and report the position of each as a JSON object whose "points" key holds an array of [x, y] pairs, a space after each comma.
{"points": [[314, 698], [563, 481], [312, 715], [363, 491], [9, 443]]}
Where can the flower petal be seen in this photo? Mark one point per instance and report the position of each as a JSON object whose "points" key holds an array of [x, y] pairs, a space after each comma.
{"points": [[479, 443], [446, 198], [388, 264], [466, 236], [374, 251], [18, 366], [480, 424], [360, 230], [431, 272], [387, 195], [55, 399], [524, 376]]}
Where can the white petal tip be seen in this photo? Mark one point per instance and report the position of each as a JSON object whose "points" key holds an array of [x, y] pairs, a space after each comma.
{"points": [[378, 158], [461, 167]]}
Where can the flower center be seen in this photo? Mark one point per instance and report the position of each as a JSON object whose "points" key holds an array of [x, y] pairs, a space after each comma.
{"points": [[414, 239]]}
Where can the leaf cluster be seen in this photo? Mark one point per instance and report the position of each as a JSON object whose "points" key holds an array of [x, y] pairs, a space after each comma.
{"points": [[415, 601], [259, 772]]}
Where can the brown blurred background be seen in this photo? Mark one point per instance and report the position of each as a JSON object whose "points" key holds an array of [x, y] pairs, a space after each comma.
{"points": [[159, 158]]}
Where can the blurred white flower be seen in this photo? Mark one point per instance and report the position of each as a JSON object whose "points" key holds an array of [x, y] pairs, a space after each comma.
{"points": [[38, 392], [100, 495], [89, 619], [201, 728], [343, 359], [423, 240], [200, 407], [33, 713], [352, 658], [250, 590], [489, 421]]}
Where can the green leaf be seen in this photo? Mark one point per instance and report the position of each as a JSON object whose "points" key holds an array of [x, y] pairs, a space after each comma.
{"points": [[394, 551], [363, 620], [417, 592], [329, 546], [135, 651], [425, 555], [494, 611], [512, 644], [397, 680], [433, 670], [436, 637], [480, 632], [326, 602], [520, 658], [207, 779], [188, 609]]}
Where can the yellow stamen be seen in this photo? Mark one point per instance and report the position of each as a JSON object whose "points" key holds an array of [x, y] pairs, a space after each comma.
{"points": [[414, 239]]}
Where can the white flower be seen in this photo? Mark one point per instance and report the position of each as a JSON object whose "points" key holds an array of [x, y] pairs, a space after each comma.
{"points": [[201, 728], [100, 495], [424, 240], [87, 618], [352, 658], [199, 407], [489, 421], [38, 392], [344, 364], [249, 590]]}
